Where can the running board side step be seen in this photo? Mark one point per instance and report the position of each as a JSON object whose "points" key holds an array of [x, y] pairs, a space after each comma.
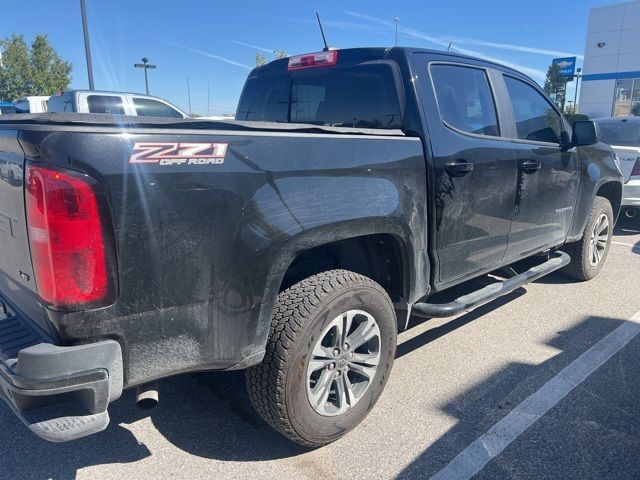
{"points": [[491, 292]]}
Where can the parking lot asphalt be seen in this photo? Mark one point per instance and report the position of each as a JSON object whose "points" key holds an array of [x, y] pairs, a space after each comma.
{"points": [[453, 381]]}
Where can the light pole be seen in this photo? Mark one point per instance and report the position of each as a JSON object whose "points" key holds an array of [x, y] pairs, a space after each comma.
{"points": [[208, 97], [87, 48], [189, 95], [575, 94], [396, 20], [146, 66]]}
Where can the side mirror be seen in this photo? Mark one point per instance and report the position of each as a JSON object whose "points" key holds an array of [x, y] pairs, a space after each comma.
{"points": [[585, 132]]}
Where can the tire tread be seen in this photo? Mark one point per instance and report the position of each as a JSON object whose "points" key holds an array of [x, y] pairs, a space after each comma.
{"points": [[294, 307], [577, 268]]}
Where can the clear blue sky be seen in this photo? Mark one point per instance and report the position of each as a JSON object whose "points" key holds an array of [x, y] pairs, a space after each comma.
{"points": [[215, 41]]}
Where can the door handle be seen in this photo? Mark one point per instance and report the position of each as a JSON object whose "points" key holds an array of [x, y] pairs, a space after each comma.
{"points": [[530, 166], [458, 169]]}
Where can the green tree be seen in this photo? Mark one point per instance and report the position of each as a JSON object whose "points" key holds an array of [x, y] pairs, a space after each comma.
{"points": [[34, 69], [555, 85], [280, 54], [260, 59]]}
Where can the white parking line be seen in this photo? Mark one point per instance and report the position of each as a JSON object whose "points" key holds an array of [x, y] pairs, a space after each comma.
{"points": [[474, 458]]}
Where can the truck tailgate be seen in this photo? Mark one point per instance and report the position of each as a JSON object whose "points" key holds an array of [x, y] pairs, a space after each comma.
{"points": [[17, 285]]}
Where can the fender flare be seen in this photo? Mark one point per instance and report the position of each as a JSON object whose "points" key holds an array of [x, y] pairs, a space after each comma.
{"points": [[326, 234]]}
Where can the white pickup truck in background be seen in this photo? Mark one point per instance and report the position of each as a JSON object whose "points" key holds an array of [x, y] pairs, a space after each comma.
{"points": [[623, 134], [93, 101]]}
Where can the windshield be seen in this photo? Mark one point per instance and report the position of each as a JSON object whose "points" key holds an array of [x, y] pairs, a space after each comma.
{"points": [[358, 96], [622, 134]]}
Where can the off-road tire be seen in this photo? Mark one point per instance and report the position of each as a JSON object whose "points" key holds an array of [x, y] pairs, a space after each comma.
{"points": [[277, 386], [580, 268]]}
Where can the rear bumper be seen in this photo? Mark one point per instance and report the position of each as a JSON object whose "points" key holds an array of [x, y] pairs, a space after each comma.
{"points": [[60, 393], [631, 193]]}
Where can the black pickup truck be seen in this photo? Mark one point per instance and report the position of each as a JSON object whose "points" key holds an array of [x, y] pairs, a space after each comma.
{"points": [[293, 242]]}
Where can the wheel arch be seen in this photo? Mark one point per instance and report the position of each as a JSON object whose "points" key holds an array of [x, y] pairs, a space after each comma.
{"points": [[379, 256], [599, 177], [374, 247], [612, 191]]}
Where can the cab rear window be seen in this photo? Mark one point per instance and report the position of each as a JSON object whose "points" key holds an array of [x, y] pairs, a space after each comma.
{"points": [[105, 104], [362, 96]]}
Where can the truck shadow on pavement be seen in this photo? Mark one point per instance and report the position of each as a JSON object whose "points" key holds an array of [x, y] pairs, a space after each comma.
{"points": [[23, 455], [210, 415], [432, 334], [592, 433], [627, 226], [205, 414]]}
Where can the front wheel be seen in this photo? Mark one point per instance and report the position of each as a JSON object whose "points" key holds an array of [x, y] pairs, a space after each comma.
{"points": [[329, 354], [590, 252]]}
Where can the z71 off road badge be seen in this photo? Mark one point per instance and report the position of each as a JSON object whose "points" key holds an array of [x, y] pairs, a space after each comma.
{"points": [[178, 153]]}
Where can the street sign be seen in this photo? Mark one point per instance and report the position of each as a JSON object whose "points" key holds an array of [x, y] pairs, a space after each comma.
{"points": [[146, 66], [567, 66]]}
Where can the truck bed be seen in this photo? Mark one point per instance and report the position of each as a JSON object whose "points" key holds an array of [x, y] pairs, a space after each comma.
{"points": [[201, 248], [126, 121]]}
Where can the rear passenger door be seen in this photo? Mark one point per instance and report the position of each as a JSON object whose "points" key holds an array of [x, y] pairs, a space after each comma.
{"points": [[148, 107], [474, 169], [548, 171]]}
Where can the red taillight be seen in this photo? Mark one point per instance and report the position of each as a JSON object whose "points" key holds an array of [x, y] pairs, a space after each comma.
{"points": [[66, 238], [636, 168], [310, 60]]}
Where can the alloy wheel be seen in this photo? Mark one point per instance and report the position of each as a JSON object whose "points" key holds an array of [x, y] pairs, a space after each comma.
{"points": [[599, 239], [343, 363]]}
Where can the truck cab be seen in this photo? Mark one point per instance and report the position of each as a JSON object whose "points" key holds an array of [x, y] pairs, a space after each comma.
{"points": [[504, 179]]}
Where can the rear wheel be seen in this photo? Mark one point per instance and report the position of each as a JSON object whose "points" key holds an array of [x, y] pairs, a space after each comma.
{"points": [[588, 254], [329, 354]]}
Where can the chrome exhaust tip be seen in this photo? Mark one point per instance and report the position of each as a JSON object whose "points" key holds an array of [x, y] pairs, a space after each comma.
{"points": [[147, 396], [630, 212]]}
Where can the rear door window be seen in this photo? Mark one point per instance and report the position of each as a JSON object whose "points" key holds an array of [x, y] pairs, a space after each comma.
{"points": [[464, 99], [146, 107], [536, 120], [363, 96], [105, 104]]}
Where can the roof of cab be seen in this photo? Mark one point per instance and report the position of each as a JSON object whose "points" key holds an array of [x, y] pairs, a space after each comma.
{"points": [[633, 120], [360, 54]]}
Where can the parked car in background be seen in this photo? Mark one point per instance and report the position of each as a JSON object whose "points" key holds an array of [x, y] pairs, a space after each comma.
{"points": [[31, 104], [623, 134], [7, 107], [115, 103], [10, 172]]}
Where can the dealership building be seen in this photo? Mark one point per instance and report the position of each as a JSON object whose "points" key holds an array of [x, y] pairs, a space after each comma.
{"points": [[611, 68]]}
